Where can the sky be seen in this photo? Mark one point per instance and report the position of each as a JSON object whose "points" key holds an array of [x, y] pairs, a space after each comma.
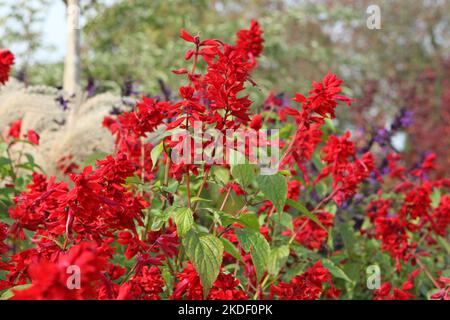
{"points": [[54, 33]]}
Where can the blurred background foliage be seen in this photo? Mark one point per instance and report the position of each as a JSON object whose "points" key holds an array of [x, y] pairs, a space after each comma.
{"points": [[405, 65]]}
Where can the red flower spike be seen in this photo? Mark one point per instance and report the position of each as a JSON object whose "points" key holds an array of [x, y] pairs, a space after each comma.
{"points": [[186, 36], [33, 137], [256, 122], [6, 61]]}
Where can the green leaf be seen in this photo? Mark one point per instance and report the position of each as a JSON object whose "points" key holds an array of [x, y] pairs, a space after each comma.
{"points": [[435, 198], [135, 179], [249, 220], [8, 294], [330, 265], [244, 173], [275, 188], [4, 161], [171, 188], [231, 248], [7, 191], [158, 218], [205, 251], [286, 221], [198, 199], [3, 147], [348, 237], [156, 152], [278, 257], [335, 270], [259, 248], [184, 219], [221, 174], [329, 124], [443, 243], [304, 211], [165, 272]]}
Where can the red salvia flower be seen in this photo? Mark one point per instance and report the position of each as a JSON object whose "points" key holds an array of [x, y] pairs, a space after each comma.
{"points": [[391, 230], [308, 233], [256, 122], [440, 218], [347, 174], [189, 286], [320, 104], [251, 41], [32, 137], [225, 288], [49, 280], [148, 116], [307, 286], [6, 61], [444, 293], [3, 236], [384, 293], [14, 129], [147, 285]]}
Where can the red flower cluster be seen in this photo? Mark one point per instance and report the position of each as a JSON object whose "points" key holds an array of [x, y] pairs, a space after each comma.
{"points": [[384, 293], [149, 114], [147, 285], [444, 293], [3, 236], [308, 233], [224, 81], [32, 137], [189, 286], [228, 68], [14, 133], [322, 101], [391, 230], [347, 174], [395, 222], [14, 129], [51, 279], [6, 61], [251, 41], [256, 122], [97, 205], [307, 286], [320, 104], [440, 218]]}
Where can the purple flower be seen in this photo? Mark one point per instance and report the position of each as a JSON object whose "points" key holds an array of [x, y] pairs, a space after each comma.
{"points": [[382, 137], [63, 103], [91, 87], [165, 90], [128, 88], [402, 120]]}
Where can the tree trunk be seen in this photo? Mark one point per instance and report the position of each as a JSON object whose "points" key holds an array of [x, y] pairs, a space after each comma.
{"points": [[71, 83]]}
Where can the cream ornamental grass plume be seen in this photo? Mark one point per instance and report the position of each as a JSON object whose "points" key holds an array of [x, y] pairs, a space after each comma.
{"points": [[76, 132], [16, 101]]}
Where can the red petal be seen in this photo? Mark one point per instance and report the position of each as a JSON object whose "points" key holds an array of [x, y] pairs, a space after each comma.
{"points": [[186, 36], [180, 71]]}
